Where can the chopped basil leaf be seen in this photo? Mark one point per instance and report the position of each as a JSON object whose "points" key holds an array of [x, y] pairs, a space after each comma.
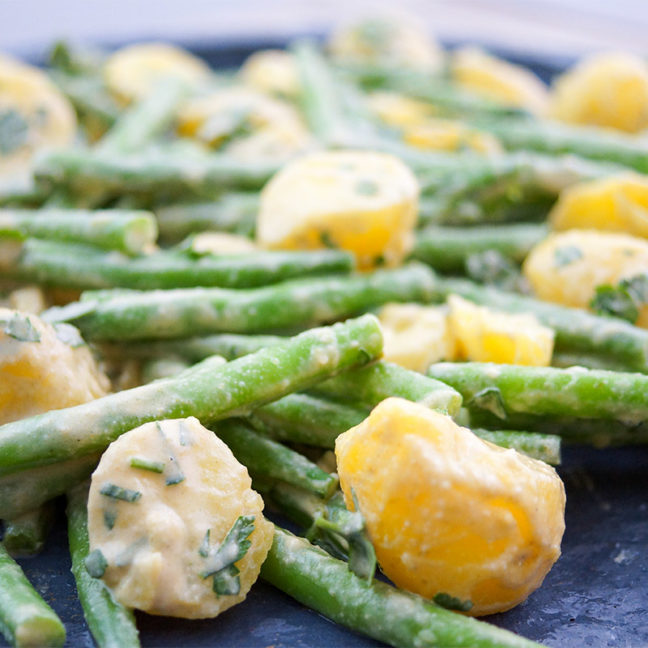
{"points": [[220, 561], [119, 493], [14, 130], [20, 328], [147, 464], [452, 602], [96, 563], [69, 335], [563, 256], [489, 399]]}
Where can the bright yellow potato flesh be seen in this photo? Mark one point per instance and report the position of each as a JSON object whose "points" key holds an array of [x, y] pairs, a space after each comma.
{"points": [[485, 335], [132, 72], [220, 114], [152, 547], [39, 371], [415, 335], [448, 512], [398, 110], [499, 80], [449, 135], [568, 266], [609, 90], [40, 117], [271, 71], [363, 202], [394, 41], [617, 203]]}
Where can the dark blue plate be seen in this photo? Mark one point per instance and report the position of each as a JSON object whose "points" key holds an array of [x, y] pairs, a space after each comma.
{"points": [[596, 595]]}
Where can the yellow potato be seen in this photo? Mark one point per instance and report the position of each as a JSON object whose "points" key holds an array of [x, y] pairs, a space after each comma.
{"points": [[609, 90], [42, 368], [234, 112], [449, 135], [34, 115], [389, 40], [485, 335], [363, 202], [132, 72], [498, 80], [616, 203], [568, 266], [157, 546], [398, 110], [273, 72], [415, 336], [448, 512]]}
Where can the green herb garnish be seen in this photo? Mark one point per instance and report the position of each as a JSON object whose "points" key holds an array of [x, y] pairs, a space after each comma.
{"points": [[452, 602], [147, 464], [117, 492], [624, 300], [220, 561], [14, 131], [20, 328], [173, 472], [96, 563], [563, 256], [326, 240], [109, 519]]}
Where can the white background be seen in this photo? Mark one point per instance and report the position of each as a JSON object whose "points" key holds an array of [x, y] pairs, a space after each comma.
{"points": [[560, 26]]}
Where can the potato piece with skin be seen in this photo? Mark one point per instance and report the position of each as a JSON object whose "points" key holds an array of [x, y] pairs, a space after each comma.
{"points": [[182, 491], [363, 202], [272, 72], [448, 512], [132, 72], [43, 368], [450, 135], [389, 40], [499, 80], [609, 90], [567, 266], [415, 335], [35, 116], [617, 203], [485, 335]]}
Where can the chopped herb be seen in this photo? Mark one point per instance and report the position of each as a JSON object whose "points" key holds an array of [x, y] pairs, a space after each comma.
{"points": [[69, 335], [117, 492], [326, 240], [380, 261], [126, 556], [366, 187], [492, 267], [184, 434], [147, 464], [20, 328], [204, 547], [452, 602], [173, 472], [615, 301], [96, 563], [220, 561], [14, 131], [489, 399], [109, 519], [563, 256], [624, 300]]}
